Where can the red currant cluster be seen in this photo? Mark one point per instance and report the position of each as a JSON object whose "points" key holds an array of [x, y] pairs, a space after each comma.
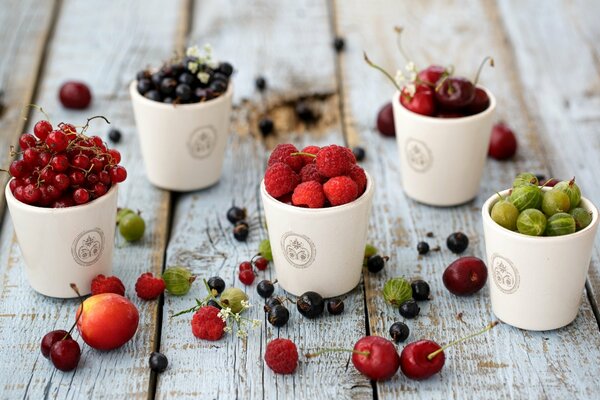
{"points": [[63, 168], [246, 274]]}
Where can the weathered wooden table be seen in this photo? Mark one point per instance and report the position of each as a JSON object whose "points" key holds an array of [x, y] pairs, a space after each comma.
{"points": [[547, 86]]}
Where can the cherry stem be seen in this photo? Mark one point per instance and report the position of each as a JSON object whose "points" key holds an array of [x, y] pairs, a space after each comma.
{"points": [[485, 60], [440, 350], [80, 297], [399, 30], [336, 350], [300, 153], [377, 67], [40, 109]]}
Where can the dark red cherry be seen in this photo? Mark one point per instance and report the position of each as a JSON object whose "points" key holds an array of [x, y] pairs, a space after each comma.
{"points": [[75, 95], [431, 74], [480, 102], [422, 102], [503, 143], [385, 120], [455, 93]]}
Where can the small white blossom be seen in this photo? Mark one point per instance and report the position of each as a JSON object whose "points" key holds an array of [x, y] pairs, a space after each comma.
{"points": [[207, 48], [255, 323], [213, 64], [227, 329], [410, 67], [193, 51], [203, 76], [192, 66], [399, 78], [242, 333], [245, 304], [413, 76], [410, 89], [224, 313]]}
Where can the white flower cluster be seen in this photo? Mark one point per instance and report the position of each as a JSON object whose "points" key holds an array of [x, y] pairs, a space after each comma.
{"points": [[200, 59], [407, 81], [226, 314]]}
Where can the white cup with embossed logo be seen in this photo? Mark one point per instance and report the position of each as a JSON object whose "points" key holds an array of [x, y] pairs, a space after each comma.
{"points": [[537, 283], [319, 250], [68, 245], [182, 145], [442, 159]]}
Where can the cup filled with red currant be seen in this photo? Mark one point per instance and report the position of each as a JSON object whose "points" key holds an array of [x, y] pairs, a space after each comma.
{"points": [[539, 238], [62, 197], [317, 204], [182, 112]]}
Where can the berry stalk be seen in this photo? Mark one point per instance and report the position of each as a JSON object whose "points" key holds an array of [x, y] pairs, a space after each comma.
{"points": [[377, 67], [491, 61], [336, 350], [440, 350]]}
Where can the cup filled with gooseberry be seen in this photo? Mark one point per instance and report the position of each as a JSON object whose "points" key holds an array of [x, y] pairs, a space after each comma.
{"points": [[443, 125], [182, 112], [62, 198], [539, 243]]}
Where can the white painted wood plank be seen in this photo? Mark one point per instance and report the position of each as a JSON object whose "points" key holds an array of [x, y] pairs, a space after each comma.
{"points": [[290, 44], [507, 363], [103, 45]]}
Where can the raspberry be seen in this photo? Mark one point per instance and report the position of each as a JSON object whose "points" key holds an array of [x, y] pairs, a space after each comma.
{"points": [[280, 179], [312, 150], [206, 324], [333, 161], [340, 190], [148, 287], [281, 153], [357, 174], [110, 284], [281, 356], [309, 194], [309, 173], [286, 198], [351, 155]]}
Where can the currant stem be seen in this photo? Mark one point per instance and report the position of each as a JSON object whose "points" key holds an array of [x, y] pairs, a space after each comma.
{"points": [[438, 351], [336, 350], [488, 58], [377, 67], [87, 124], [399, 30], [40, 109]]}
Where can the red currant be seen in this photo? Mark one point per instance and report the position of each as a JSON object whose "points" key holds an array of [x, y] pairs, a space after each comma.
{"points": [[261, 263], [57, 141], [104, 177], [115, 155], [31, 156], [26, 141], [92, 179], [46, 198], [245, 266], [61, 181], [31, 194], [45, 158], [81, 161], [118, 174], [77, 178], [81, 196], [15, 183], [42, 129], [63, 202], [47, 175], [19, 193], [68, 129], [52, 192], [18, 169], [97, 164], [59, 163], [100, 189], [246, 277]]}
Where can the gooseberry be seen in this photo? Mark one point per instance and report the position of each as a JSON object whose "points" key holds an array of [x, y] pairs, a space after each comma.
{"points": [[531, 222], [396, 291], [525, 179], [524, 197], [505, 214], [560, 224], [178, 280], [554, 201], [232, 297], [582, 217], [571, 189]]}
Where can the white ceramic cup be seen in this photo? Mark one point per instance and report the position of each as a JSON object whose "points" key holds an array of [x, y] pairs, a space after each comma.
{"points": [[536, 283], [182, 145], [442, 159], [65, 245], [319, 250]]}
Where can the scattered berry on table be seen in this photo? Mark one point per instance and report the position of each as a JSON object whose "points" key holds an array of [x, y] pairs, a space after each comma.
{"points": [[245, 266], [503, 142], [305, 112], [216, 284], [281, 355], [261, 263], [376, 263], [207, 325], [457, 242], [278, 315], [265, 288], [246, 277], [233, 298], [272, 302], [376, 358], [114, 135], [339, 43], [107, 284], [310, 304], [409, 309], [178, 280], [385, 121], [423, 248], [465, 276], [240, 231], [158, 362], [213, 303], [414, 362], [420, 290], [149, 287], [50, 338], [335, 306], [266, 126], [75, 95], [65, 354], [132, 227], [261, 83], [399, 332], [359, 153], [236, 214]]}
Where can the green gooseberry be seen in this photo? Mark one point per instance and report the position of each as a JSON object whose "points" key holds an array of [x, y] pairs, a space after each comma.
{"points": [[505, 214], [396, 291], [264, 249], [525, 179], [132, 227], [531, 222], [178, 280], [122, 212], [370, 250], [554, 201], [582, 217], [528, 196], [571, 189], [233, 298], [560, 224]]}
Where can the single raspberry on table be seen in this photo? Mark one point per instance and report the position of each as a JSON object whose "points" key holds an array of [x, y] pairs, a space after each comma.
{"points": [[281, 356], [333, 161], [280, 179], [309, 194], [107, 284], [149, 287], [310, 150], [340, 190], [281, 153], [206, 323], [310, 173], [357, 174]]}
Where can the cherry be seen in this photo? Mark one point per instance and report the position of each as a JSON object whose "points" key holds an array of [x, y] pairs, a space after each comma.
{"points": [[41, 129], [75, 95], [422, 102], [503, 143], [465, 276], [50, 339], [449, 114], [26, 141], [431, 74], [385, 120], [65, 354], [480, 102], [455, 93]]}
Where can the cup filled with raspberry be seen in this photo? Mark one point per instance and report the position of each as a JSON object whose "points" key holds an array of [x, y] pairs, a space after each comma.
{"points": [[443, 125], [317, 204], [62, 198], [182, 112]]}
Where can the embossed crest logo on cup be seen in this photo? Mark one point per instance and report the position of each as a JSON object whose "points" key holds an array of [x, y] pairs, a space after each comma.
{"points": [[88, 246], [202, 141], [298, 249], [418, 155], [506, 276]]}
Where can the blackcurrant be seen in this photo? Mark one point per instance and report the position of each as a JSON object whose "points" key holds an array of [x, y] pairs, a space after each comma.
{"points": [[143, 86], [272, 302], [420, 290], [158, 362], [310, 304], [183, 91], [153, 95], [168, 100], [187, 78], [266, 126], [304, 112], [114, 135], [335, 306], [219, 76], [214, 304], [167, 86], [457, 242], [157, 78], [376, 263], [423, 248], [278, 315], [359, 153], [265, 288], [236, 214], [409, 309], [142, 75], [399, 332], [240, 231], [225, 68], [261, 83], [339, 43], [216, 283], [218, 86]]}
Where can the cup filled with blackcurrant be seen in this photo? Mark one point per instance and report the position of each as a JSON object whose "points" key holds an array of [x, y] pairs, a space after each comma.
{"points": [[539, 242], [62, 198], [182, 112]]}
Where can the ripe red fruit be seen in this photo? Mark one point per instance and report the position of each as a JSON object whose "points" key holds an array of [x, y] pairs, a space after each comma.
{"points": [[245, 266], [246, 277], [414, 362], [31, 156], [207, 325], [32, 194], [431, 74], [309, 194], [310, 150], [41, 129], [59, 163], [57, 141], [281, 355], [465, 276], [149, 287], [81, 196], [18, 169], [50, 338], [261, 263], [503, 143], [282, 153], [340, 190], [280, 179], [376, 358], [65, 354], [357, 174], [480, 102], [107, 284], [75, 95], [385, 120], [310, 173], [118, 174], [422, 102], [333, 160], [26, 141], [455, 93]]}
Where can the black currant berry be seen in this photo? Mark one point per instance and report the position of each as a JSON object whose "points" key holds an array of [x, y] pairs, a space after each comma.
{"points": [[266, 126], [304, 112], [114, 135], [409, 309], [158, 362], [399, 332], [240, 231], [376, 263], [225, 68], [167, 86], [143, 86], [310, 304], [236, 214], [157, 78], [183, 91], [339, 43], [335, 306], [457, 242], [261, 83], [187, 78], [265, 288], [218, 86], [420, 290], [272, 302], [423, 248], [153, 95], [359, 153], [143, 75], [278, 315], [214, 304], [216, 283]]}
